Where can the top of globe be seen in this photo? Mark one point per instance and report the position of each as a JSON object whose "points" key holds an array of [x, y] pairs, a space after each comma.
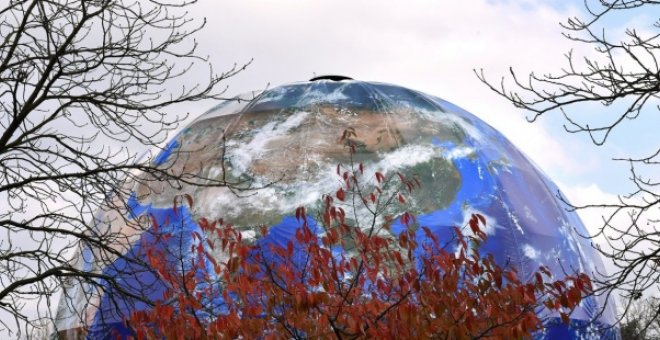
{"points": [[281, 149]]}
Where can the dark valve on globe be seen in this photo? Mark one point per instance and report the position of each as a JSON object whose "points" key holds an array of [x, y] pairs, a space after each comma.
{"points": [[332, 77]]}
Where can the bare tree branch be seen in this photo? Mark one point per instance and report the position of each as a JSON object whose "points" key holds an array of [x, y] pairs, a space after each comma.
{"points": [[82, 82], [624, 77]]}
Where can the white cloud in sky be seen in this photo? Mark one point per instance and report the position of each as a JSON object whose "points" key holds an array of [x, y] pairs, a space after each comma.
{"points": [[594, 220], [581, 195]]}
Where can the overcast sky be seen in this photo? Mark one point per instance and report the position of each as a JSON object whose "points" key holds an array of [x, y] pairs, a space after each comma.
{"points": [[432, 46]]}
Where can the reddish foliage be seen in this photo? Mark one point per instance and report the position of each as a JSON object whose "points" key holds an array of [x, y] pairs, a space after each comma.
{"points": [[380, 292], [413, 286]]}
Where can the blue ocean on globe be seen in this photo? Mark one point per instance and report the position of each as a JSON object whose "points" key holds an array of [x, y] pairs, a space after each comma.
{"points": [[282, 146]]}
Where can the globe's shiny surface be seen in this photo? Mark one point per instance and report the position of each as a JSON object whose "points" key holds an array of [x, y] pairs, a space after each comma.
{"points": [[287, 139]]}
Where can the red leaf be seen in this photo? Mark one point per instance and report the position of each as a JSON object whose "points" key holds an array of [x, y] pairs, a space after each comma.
{"points": [[481, 218], [301, 214], [379, 177], [154, 222], [289, 248], [189, 199], [545, 271], [429, 234], [474, 224], [539, 278], [341, 195], [405, 219], [511, 276], [458, 232], [232, 264]]}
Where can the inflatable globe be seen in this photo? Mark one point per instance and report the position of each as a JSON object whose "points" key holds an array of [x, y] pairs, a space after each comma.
{"points": [[282, 148]]}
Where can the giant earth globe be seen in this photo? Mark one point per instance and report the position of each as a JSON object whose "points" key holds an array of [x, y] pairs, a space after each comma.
{"points": [[282, 146]]}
